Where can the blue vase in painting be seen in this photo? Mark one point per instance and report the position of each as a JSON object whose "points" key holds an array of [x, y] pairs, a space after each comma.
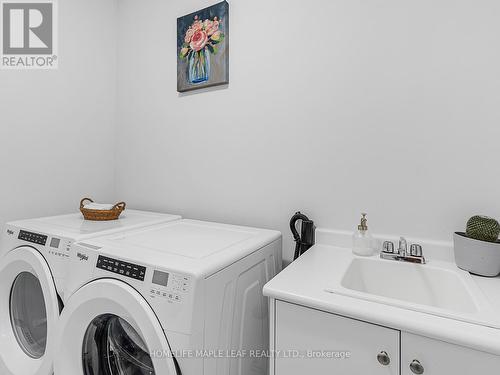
{"points": [[199, 66]]}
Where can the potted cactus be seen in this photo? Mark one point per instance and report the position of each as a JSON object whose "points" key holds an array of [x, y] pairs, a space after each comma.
{"points": [[478, 249]]}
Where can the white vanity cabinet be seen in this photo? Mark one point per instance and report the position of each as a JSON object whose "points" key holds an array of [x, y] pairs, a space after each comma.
{"points": [[309, 341], [305, 341], [421, 355]]}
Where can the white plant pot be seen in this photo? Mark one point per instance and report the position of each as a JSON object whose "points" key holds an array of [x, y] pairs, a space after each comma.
{"points": [[478, 257]]}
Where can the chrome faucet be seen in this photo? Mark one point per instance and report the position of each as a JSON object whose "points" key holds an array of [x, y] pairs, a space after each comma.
{"points": [[415, 255], [403, 247]]}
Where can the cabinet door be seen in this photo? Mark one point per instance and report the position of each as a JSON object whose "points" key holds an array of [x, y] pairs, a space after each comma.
{"points": [[421, 355], [309, 341]]}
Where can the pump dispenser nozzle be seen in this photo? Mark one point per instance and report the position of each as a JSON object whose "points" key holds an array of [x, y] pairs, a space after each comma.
{"points": [[364, 223]]}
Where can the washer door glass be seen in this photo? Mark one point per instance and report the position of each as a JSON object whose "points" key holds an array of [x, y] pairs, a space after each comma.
{"points": [[28, 315], [113, 347]]}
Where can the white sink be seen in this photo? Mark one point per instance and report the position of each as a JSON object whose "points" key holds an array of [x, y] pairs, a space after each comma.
{"points": [[439, 289], [411, 283]]}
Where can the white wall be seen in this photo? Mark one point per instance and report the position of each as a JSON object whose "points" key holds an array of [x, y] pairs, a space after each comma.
{"points": [[334, 107], [57, 127]]}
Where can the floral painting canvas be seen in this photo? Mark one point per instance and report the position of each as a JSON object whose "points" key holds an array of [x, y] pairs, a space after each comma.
{"points": [[203, 48]]}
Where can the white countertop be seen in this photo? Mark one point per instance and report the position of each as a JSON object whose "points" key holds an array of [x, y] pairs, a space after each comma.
{"points": [[305, 280]]}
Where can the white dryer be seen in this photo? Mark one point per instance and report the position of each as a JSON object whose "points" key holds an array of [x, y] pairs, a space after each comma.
{"points": [[34, 262], [182, 298]]}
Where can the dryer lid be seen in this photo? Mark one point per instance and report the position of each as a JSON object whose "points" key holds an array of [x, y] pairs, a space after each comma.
{"points": [[188, 239]]}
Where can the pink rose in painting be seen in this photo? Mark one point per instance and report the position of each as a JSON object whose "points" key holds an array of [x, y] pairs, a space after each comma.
{"points": [[211, 27], [189, 35], [199, 40], [207, 24], [197, 25]]}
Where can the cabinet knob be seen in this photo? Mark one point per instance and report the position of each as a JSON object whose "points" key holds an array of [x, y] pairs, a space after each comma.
{"points": [[383, 358], [416, 367]]}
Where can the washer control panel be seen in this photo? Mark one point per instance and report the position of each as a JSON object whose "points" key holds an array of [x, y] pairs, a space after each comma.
{"points": [[39, 239], [119, 267], [170, 286]]}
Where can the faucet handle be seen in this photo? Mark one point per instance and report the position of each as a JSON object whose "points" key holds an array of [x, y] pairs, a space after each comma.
{"points": [[388, 247], [416, 250]]}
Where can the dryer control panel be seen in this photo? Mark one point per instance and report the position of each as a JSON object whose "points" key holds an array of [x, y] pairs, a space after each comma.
{"points": [[119, 267], [170, 286]]}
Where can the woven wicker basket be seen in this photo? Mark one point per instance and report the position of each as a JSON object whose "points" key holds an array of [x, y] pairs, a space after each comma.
{"points": [[101, 215]]}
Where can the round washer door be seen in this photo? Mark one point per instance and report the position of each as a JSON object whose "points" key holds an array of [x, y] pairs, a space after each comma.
{"points": [[29, 311], [108, 328]]}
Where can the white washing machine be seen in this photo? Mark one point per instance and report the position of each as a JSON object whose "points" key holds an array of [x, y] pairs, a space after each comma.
{"points": [[182, 298], [34, 262]]}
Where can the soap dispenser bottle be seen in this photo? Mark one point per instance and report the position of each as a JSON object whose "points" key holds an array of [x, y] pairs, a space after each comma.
{"points": [[362, 241]]}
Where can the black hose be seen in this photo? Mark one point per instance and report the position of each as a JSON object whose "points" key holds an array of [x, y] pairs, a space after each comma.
{"points": [[298, 241]]}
